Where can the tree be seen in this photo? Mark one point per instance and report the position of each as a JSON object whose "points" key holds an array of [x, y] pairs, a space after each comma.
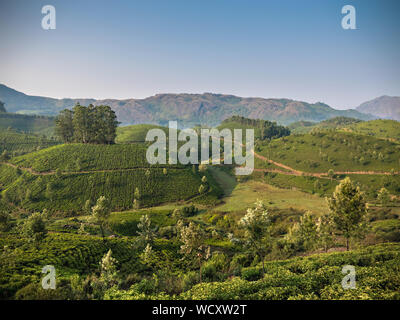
{"points": [[325, 231], [192, 238], [91, 124], [64, 126], [307, 231], [108, 273], [35, 227], [256, 225], [383, 196], [146, 233], [101, 212], [348, 208]]}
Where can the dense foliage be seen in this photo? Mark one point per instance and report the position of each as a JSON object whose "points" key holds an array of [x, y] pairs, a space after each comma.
{"points": [[92, 124], [264, 129]]}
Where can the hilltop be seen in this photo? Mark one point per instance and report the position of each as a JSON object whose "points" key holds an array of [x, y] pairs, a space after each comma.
{"points": [[384, 129], [383, 107], [189, 109]]}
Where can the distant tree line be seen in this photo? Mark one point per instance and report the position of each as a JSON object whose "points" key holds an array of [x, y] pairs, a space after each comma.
{"points": [[91, 124], [268, 129]]}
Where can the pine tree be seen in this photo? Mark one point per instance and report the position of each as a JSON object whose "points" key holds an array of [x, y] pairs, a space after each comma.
{"points": [[256, 225], [193, 238], [146, 233], [348, 208], [101, 213]]}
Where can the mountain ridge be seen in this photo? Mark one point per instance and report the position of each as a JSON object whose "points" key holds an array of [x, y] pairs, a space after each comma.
{"points": [[387, 107], [188, 108]]}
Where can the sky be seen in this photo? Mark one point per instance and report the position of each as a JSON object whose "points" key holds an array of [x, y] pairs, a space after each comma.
{"points": [[293, 49]]}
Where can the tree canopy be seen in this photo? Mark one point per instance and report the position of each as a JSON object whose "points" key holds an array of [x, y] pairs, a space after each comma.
{"points": [[91, 124]]}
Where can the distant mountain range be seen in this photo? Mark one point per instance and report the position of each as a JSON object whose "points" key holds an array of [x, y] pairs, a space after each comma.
{"points": [[383, 107], [189, 109]]}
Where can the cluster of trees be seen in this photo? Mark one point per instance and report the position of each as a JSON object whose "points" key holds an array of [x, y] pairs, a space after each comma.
{"points": [[91, 124], [268, 129]]}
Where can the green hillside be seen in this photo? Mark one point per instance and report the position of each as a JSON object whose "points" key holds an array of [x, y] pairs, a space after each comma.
{"points": [[17, 143], [27, 123], [340, 151], [263, 129], [301, 127], [385, 129], [135, 133], [88, 171]]}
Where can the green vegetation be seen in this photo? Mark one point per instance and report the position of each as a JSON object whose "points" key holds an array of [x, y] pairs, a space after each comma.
{"points": [[135, 133], [340, 151], [263, 129], [27, 123], [115, 227], [384, 129], [18, 143], [92, 124]]}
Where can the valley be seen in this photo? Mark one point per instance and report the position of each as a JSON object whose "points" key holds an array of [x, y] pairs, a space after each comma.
{"points": [[150, 204]]}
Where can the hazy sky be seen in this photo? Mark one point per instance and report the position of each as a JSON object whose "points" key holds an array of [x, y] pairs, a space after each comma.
{"points": [[132, 49]]}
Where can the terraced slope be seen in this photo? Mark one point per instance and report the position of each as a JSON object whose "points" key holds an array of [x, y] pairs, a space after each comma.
{"points": [[88, 171]]}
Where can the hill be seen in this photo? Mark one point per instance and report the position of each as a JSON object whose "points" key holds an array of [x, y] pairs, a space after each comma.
{"points": [[135, 133], [385, 129], [18, 143], [89, 171], [384, 107], [27, 123], [263, 129], [340, 151], [189, 109], [332, 123]]}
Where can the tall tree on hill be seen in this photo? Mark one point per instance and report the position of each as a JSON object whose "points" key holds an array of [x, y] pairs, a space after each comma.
{"points": [[64, 126], [348, 208], [81, 123]]}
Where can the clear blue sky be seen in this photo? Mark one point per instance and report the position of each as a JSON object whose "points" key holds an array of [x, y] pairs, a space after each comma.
{"points": [[132, 49]]}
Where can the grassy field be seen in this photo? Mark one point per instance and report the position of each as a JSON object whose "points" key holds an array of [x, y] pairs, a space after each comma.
{"points": [[246, 193]]}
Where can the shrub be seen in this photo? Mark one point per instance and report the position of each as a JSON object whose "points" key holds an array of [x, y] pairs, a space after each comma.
{"points": [[252, 273]]}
